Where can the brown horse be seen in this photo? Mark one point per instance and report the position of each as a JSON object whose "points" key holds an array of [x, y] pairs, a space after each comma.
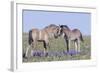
{"points": [[71, 35], [42, 36]]}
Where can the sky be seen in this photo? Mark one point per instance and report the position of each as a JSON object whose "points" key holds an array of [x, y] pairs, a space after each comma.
{"points": [[40, 19]]}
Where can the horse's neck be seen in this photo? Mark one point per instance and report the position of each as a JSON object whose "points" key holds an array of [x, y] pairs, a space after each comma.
{"points": [[49, 32], [67, 29], [67, 32]]}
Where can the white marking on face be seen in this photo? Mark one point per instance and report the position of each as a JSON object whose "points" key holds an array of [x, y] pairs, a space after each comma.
{"points": [[59, 30]]}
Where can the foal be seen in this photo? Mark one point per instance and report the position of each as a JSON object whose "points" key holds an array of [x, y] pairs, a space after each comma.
{"points": [[42, 36], [71, 35]]}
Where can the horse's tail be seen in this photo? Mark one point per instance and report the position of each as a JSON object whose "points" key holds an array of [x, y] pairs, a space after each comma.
{"points": [[81, 37], [30, 39]]}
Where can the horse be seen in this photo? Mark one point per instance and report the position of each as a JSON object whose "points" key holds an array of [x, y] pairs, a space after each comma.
{"points": [[71, 35], [43, 35]]}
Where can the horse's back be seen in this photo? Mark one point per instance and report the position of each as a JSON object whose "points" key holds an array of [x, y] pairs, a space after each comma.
{"points": [[76, 32], [39, 34]]}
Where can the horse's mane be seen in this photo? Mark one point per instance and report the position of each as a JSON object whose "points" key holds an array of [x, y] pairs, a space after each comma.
{"points": [[51, 25], [64, 26]]}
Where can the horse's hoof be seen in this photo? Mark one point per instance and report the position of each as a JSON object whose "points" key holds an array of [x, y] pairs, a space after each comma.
{"points": [[46, 54], [24, 55], [71, 54]]}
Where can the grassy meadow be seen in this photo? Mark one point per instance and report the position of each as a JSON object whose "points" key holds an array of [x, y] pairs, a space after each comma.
{"points": [[58, 45]]}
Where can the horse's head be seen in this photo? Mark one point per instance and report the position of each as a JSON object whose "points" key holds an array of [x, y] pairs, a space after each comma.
{"points": [[57, 31], [53, 30], [63, 28]]}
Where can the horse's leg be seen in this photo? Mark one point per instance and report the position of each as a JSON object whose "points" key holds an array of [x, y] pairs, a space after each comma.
{"points": [[45, 47], [27, 50], [33, 47], [75, 42], [34, 44], [78, 43], [67, 44], [46, 44]]}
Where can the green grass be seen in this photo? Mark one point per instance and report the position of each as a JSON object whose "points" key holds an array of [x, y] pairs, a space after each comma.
{"points": [[59, 45]]}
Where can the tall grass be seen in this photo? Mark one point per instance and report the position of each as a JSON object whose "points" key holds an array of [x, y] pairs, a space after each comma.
{"points": [[59, 45]]}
